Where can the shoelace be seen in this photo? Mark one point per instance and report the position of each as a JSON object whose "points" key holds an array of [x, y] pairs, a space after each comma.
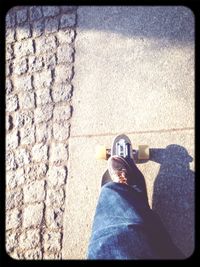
{"points": [[122, 177], [118, 175]]}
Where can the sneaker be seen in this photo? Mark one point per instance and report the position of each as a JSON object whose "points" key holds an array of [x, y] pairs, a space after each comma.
{"points": [[124, 171], [120, 169]]}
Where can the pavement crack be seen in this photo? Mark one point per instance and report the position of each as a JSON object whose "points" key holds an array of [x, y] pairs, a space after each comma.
{"points": [[136, 132]]}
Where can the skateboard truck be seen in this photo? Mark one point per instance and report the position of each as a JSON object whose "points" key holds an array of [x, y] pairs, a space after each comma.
{"points": [[123, 148]]}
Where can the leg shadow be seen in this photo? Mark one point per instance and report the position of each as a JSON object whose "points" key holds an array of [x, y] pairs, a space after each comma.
{"points": [[173, 195]]}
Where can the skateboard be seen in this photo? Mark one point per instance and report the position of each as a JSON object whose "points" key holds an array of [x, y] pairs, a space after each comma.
{"points": [[122, 146]]}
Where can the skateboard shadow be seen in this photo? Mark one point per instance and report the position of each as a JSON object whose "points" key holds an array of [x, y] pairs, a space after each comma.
{"points": [[173, 195]]}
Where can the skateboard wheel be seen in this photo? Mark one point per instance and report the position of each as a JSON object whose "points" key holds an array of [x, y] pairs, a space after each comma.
{"points": [[100, 152], [143, 152]]}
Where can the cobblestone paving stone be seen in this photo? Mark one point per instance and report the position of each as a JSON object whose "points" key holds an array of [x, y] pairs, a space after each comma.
{"points": [[39, 87]]}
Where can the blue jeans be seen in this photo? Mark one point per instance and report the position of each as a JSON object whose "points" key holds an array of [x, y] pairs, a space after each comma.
{"points": [[125, 227]]}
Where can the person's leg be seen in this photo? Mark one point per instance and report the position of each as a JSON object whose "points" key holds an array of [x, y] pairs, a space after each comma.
{"points": [[125, 227], [119, 228]]}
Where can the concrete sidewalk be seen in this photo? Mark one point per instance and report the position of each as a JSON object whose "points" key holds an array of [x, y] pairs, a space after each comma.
{"points": [[134, 74]]}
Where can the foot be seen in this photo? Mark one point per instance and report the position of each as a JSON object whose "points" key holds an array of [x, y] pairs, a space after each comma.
{"points": [[120, 169], [124, 170]]}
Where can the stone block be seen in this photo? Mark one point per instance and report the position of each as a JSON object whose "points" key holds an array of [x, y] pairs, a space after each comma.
{"points": [[62, 113], [12, 140], [10, 19], [52, 241], [8, 68], [45, 44], [62, 92], [66, 36], [10, 35], [14, 178], [50, 10], [23, 48], [20, 66], [23, 157], [34, 192], [9, 51], [23, 83], [65, 54], [11, 241], [33, 215], [36, 171], [61, 130], [23, 118], [63, 73], [43, 96], [27, 100], [43, 113], [58, 152], [68, 20], [51, 25], [39, 152], [27, 135], [13, 219], [9, 86], [12, 103], [43, 132], [29, 239], [14, 199], [35, 12], [36, 63], [56, 176], [23, 32], [34, 254], [22, 15], [11, 163], [38, 28], [50, 61], [54, 217], [42, 79]]}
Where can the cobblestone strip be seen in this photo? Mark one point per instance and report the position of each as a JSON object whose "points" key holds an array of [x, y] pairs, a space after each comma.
{"points": [[39, 71]]}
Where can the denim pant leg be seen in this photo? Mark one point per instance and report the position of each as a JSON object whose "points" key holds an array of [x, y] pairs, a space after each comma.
{"points": [[125, 227]]}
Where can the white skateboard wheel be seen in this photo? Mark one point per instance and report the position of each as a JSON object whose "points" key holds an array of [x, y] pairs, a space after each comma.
{"points": [[100, 152], [143, 152]]}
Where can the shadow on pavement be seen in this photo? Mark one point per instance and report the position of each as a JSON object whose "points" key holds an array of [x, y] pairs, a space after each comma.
{"points": [[173, 195], [173, 23]]}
